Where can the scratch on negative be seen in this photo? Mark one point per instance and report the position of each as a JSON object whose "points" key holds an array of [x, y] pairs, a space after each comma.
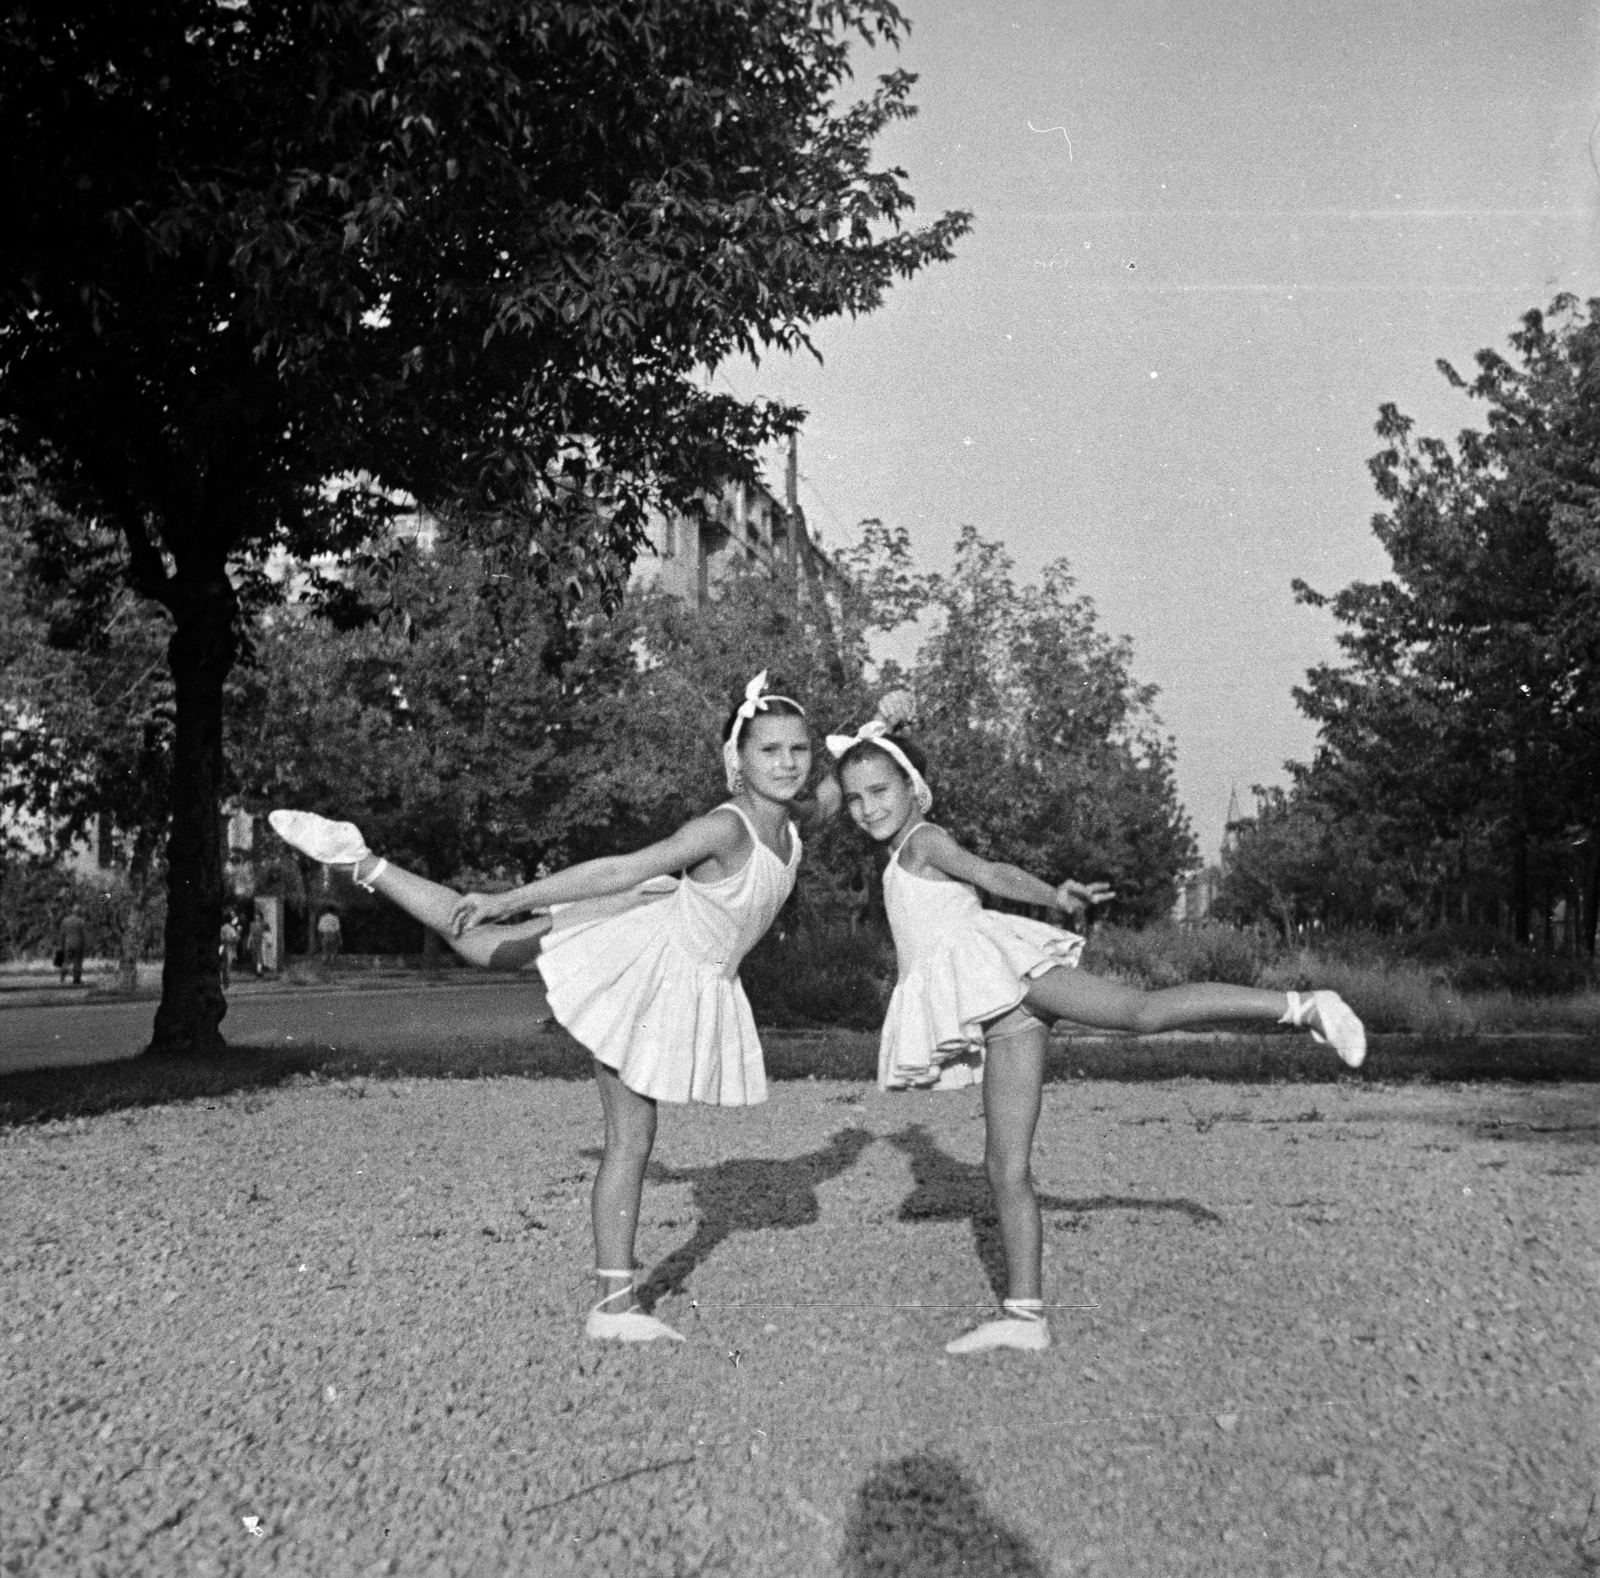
{"points": [[1045, 130], [614, 1479]]}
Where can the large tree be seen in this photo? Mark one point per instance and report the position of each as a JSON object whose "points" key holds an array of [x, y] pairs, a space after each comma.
{"points": [[1463, 726], [268, 263], [1044, 748]]}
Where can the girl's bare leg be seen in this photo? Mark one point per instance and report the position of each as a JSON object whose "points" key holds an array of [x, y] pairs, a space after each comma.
{"points": [[489, 947], [1013, 1078], [1108, 1005], [619, 1183]]}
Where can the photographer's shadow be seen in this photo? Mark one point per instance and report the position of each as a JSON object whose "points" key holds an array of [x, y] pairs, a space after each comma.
{"points": [[921, 1517], [747, 1194], [947, 1190]]}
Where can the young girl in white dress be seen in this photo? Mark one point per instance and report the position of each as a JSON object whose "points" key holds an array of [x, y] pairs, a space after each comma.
{"points": [[977, 990], [642, 969]]}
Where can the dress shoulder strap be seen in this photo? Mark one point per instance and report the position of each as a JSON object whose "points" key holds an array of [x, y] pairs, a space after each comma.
{"points": [[901, 849], [755, 837]]}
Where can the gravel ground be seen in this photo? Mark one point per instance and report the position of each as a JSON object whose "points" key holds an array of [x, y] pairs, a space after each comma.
{"points": [[333, 1328]]}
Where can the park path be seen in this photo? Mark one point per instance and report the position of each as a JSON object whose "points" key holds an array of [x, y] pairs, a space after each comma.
{"points": [[401, 1017]]}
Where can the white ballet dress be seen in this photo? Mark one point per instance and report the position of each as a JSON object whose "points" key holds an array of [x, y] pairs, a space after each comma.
{"points": [[960, 966], [648, 980]]}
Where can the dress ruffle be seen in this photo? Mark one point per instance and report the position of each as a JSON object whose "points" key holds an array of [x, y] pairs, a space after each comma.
{"points": [[672, 1027], [975, 973], [648, 980]]}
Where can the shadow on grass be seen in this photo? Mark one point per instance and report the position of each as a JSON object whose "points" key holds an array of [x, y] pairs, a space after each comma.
{"points": [[919, 1517], [746, 1194], [40, 1095], [43, 1095], [947, 1190]]}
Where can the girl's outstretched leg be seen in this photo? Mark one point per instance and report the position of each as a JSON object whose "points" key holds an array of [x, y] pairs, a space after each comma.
{"points": [[1013, 1080], [618, 1189], [341, 844], [488, 947], [1108, 1005]]}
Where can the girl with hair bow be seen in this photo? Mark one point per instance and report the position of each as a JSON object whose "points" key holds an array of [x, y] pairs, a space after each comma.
{"points": [[978, 989], [640, 956]]}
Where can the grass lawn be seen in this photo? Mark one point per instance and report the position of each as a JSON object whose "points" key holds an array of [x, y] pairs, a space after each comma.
{"points": [[1300, 1327]]}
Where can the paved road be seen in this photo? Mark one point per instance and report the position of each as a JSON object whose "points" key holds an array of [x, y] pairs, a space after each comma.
{"points": [[402, 1017]]}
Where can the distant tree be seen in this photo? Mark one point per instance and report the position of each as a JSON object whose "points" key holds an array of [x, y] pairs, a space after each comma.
{"points": [[266, 264], [85, 699], [1045, 749], [1467, 711]]}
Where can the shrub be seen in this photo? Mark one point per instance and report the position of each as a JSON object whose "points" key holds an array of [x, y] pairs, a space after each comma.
{"points": [[1168, 955], [35, 898], [816, 976], [1521, 972]]}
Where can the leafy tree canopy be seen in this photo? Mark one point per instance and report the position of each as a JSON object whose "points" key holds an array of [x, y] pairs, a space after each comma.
{"points": [[1462, 731], [268, 264]]}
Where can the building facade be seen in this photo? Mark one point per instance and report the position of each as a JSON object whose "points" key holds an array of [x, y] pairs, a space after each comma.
{"points": [[746, 524]]}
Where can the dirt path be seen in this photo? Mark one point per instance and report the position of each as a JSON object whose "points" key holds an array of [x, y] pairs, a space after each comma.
{"points": [[1330, 1329]]}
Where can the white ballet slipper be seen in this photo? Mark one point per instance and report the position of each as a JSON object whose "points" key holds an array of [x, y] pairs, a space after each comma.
{"points": [[1030, 1333], [628, 1325], [330, 843], [1331, 1021], [327, 842]]}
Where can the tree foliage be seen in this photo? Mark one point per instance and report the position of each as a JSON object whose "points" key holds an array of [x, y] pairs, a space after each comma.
{"points": [[1045, 750], [266, 265], [445, 732], [1460, 738]]}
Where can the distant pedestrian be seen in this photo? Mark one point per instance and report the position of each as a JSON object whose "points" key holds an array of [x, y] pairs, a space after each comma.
{"points": [[227, 948], [254, 940], [329, 936], [69, 954]]}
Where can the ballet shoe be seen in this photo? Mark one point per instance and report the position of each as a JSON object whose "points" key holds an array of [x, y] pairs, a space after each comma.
{"points": [[327, 842], [629, 1326], [1332, 1022], [1032, 1336], [626, 1325]]}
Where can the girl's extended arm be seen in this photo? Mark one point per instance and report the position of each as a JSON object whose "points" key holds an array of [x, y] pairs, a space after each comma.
{"points": [[1005, 881], [694, 842]]}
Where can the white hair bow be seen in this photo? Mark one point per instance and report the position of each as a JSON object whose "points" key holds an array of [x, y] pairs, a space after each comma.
{"points": [[876, 732], [755, 700]]}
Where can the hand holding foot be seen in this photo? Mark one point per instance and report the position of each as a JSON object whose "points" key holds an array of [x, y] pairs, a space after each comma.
{"points": [[475, 909]]}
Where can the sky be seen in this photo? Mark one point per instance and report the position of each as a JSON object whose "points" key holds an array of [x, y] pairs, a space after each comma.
{"points": [[1209, 240]]}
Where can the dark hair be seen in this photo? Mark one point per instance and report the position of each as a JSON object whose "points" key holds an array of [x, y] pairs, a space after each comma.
{"points": [[863, 749], [778, 706]]}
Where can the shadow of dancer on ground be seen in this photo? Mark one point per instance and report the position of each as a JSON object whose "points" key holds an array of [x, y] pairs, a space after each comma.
{"points": [[748, 1194], [947, 1190], [919, 1517]]}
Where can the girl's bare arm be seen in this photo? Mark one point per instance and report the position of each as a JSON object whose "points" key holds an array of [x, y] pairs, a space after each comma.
{"points": [[704, 837], [1003, 880]]}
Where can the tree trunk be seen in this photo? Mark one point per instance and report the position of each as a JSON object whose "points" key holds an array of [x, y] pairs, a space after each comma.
{"points": [[1591, 899], [1520, 902], [201, 652]]}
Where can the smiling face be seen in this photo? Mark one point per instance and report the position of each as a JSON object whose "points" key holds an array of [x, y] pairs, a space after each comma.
{"points": [[775, 755], [877, 795]]}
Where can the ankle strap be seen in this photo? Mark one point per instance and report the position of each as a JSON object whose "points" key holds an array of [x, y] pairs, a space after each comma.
{"points": [[372, 876], [1299, 1006], [601, 1272], [1024, 1309]]}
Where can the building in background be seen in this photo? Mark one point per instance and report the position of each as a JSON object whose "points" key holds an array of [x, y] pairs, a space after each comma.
{"points": [[746, 524], [1197, 893]]}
